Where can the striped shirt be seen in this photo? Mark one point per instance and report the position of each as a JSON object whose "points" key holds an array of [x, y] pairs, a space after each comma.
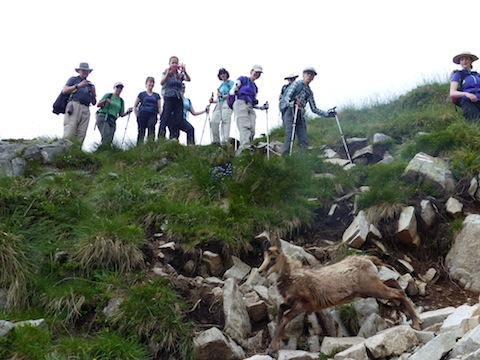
{"points": [[305, 96]]}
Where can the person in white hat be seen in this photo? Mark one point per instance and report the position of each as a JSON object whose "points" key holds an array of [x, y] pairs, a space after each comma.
{"points": [[246, 101], [465, 86], [82, 94], [294, 102], [290, 78], [111, 107]]}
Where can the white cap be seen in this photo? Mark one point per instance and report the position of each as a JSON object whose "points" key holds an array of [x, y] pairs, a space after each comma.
{"points": [[257, 68], [310, 69], [117, 84]]}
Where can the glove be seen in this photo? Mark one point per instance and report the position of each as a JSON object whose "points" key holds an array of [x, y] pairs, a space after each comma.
{"points": [[331, 113]]}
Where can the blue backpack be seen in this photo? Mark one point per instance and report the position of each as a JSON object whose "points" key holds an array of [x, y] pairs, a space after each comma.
{"points": [[283, 105]]}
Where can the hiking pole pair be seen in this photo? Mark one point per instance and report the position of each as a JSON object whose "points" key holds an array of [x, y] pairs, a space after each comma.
{"points": [[293, 128], [268, 140], [341, 134], [125, 132], [207, 117]]}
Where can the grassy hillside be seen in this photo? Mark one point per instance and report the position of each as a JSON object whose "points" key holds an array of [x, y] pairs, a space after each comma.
{"points": [[76, 235]]}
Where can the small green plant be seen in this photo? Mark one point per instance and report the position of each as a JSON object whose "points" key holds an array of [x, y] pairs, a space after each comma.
{"points": [[76, 159], [154, 312], [322, 356], [26, 342], [454, 228], [104, 345], [349, 317], [69, 299], [15, 269], [103, 251]]}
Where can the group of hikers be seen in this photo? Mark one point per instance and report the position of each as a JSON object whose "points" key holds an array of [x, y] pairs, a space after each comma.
{"points": [[233, 97], [293, 98]]}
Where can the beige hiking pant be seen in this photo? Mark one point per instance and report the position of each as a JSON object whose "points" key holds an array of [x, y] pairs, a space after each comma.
{"points": [[76, 123]]}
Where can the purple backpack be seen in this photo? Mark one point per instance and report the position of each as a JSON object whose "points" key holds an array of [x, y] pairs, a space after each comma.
{"points": [[230, 100]]}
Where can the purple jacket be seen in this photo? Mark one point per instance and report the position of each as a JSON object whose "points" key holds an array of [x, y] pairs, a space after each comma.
{"points": [[247, 90]]}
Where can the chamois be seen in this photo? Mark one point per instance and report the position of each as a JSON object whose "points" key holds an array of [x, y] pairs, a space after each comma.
{"points": [[309, 290]]}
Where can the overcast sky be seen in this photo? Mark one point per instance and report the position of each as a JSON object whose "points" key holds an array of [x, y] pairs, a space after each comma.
{"points": [[362, 50]]}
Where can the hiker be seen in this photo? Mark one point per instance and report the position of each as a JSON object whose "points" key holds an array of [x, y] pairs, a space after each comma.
{"points": [[222, 114], [111, 107], [465, 86], [172, 80], [246, 101], [185, 125], [148, 105], [297, 97], [77, 113], [290, 78]]}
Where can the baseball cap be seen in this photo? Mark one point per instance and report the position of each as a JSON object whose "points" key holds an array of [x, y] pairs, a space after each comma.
{"points": [[118, 84], [310, 69], [257, 68]]}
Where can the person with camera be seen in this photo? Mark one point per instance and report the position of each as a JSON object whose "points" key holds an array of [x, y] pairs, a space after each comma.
{"points": [[172, 80], [293, 103], [246, 101], [148, 105], [111, 107], [82, 94], [222, 114]]}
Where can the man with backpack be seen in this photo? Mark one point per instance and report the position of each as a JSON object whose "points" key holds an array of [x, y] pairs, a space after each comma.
{"points": [[465, 87], [293, 103], [111, 107], [82, 94], [246, 101], [290, 78]]}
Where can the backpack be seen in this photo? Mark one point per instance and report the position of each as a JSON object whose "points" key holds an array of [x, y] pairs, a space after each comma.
{"points": [[283, 105], [60, 103], [109, 97], [456, 101], [230, 100]]}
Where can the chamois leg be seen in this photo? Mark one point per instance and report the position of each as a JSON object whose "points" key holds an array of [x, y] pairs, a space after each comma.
{"points": [[281, 311], [381, 291], [295, 310]]}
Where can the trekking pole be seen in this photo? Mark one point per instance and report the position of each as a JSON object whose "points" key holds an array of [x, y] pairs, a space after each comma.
{"points": [[205, 123], [293, 128], [125, 132], [268, 141], [207, 115], [343, 137]]}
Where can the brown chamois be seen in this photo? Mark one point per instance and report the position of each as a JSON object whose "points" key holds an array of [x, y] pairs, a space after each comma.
{"points": [[309, 290]]}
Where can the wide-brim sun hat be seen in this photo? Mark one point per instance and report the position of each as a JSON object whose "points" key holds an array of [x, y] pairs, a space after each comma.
{"points": [[118, 84], [310, 69], [83, 66], [456, 58], [291, 76], [257, 68]]}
